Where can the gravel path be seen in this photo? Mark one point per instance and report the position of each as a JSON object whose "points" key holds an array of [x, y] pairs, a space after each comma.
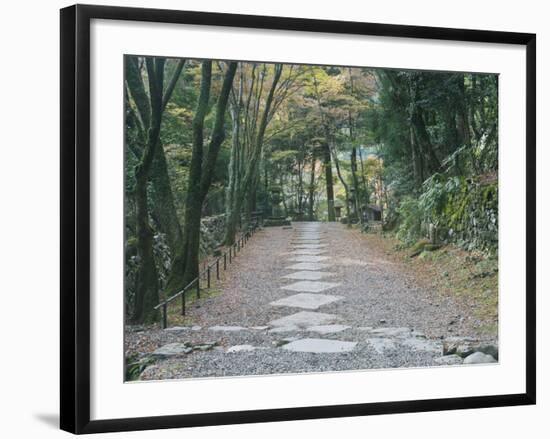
{"points": [[371, 304]]}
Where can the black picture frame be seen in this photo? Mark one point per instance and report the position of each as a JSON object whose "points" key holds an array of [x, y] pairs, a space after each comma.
{"points": [[75, 217]]}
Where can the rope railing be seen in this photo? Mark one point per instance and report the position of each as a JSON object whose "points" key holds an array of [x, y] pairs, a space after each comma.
{"points": [[224, 261]]}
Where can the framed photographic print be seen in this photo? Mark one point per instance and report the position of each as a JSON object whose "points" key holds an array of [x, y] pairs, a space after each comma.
{"points": [[272, 218]]}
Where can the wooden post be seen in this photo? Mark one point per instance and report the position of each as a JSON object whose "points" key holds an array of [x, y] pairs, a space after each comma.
{"points": [[164, 316], [218, 269], [198, 288], [208, 277], [225, 261], [230, 254], [183, 303]]}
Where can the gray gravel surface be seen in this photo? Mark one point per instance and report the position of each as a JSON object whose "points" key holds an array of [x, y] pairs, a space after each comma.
{"points": [[376, 293]]}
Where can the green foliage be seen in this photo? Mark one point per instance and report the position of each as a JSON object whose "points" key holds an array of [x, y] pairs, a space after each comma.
{"points": [[135, 366], [464, 211], [410, 220]]}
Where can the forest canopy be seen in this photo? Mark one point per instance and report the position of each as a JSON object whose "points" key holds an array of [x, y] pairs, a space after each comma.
{"points": [[212, 145]]}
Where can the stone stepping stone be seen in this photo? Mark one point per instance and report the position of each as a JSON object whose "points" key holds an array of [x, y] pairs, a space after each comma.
{"points": [[227, 328], [183, 328], [419, 344], [282, 329], [306, 300], [308, 251], [392, 332], [380, 345], [328, 329], [319, 345], [310, 286], [306, 243], [307, 266], [309, 258], [240, 348], [171, 349], [448, 360], [308, 275], [303, 319], [479, 358]]}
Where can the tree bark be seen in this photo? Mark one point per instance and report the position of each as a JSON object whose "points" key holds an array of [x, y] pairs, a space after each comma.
{"points": [[163, 198], [346, 188], [231, 192], [311, 189], [200, 174], [256, 142], [329, 183], [147, 290]]}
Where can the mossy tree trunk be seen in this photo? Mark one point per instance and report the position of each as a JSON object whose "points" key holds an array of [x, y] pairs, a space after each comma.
{"points": [[147, 284], [149, 112], [200, 175]]}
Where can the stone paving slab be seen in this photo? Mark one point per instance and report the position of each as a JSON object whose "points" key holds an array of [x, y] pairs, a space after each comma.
{"points": [[304, 319], [308, 251], [328, 329], [171, 349], [309, 246], [283, 329], [309, 258], [392, 332], [310, 286], [307, 266], [307, 238], [227, 328], [420, 344], [319, 345], [306, 300], [240, 348], [380, 345], [308, 275]]}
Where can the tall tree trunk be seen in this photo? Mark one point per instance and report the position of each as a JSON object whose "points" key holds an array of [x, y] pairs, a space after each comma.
{"points": [[201, 173], [163, 201], [423, 138], [231, 214], [311, 189], [252, 165], [147, 291], [329, 183], [366, 195], [346, 188], [355, 181], [151, 165]]}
